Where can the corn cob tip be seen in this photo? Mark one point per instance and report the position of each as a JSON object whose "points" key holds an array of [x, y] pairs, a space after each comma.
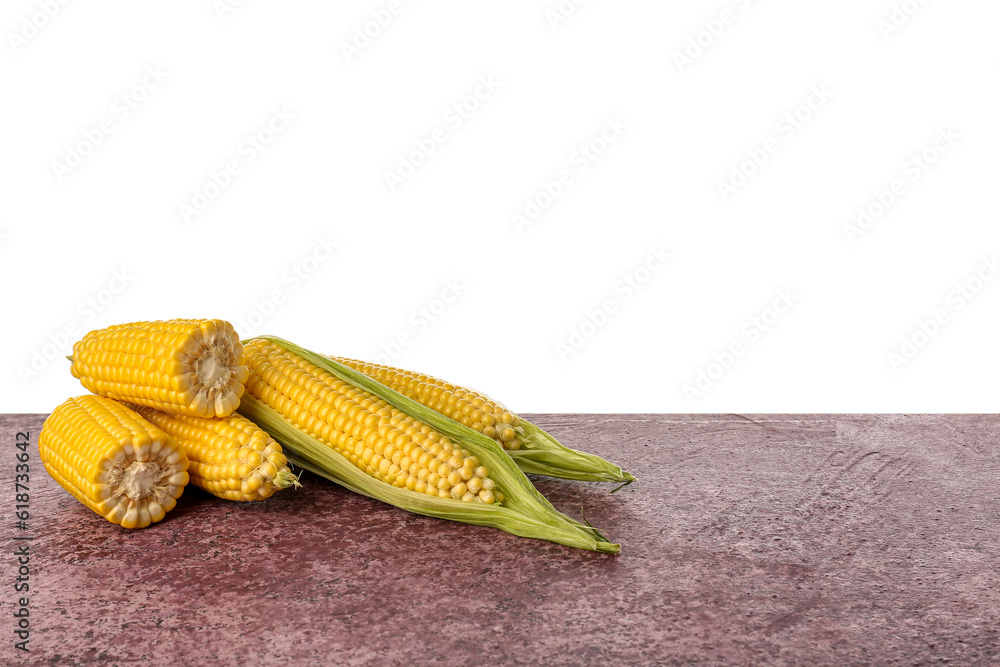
{"points": [[286, 478]]}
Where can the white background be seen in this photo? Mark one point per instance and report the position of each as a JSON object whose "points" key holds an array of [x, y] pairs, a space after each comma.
{"points": [[684, 127]]}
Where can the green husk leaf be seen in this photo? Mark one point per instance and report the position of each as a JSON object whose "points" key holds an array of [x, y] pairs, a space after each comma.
{"points": [[524, 512], [541, 454]]}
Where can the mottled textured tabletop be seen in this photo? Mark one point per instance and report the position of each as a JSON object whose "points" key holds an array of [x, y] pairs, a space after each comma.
{"points": [[805, 539]]}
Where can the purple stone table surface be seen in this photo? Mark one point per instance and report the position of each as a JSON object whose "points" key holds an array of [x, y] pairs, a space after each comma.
{"points": [[804, 539]]}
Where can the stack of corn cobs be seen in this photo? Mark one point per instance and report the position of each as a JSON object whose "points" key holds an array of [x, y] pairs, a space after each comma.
{"points": [[184, 401]]}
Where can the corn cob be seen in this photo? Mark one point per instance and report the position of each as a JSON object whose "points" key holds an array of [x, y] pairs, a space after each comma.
{"points": [[386, 443], [189, 367], [345, 426], [113, 461], [231, 457], [534, 450]]}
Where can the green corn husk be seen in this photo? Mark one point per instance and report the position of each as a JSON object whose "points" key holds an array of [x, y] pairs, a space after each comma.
{"points": [[541, 454], [524, 511]]}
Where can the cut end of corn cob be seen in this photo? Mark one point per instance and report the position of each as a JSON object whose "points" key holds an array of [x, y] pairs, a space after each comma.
{"points": [[189, 367], [462, 404], [386, 443], [113, 461], [231, 457]]}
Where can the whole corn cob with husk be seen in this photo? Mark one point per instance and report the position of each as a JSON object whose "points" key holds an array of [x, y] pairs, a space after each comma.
{"points": [[534, 450], [188, 367], [343, 425], [113, 461], [231, 457]]}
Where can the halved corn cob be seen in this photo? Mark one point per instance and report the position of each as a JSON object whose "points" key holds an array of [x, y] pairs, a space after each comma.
{"points": [[231, 457], [345, 426], [534, 450], [113, 461], [190, 367]]}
